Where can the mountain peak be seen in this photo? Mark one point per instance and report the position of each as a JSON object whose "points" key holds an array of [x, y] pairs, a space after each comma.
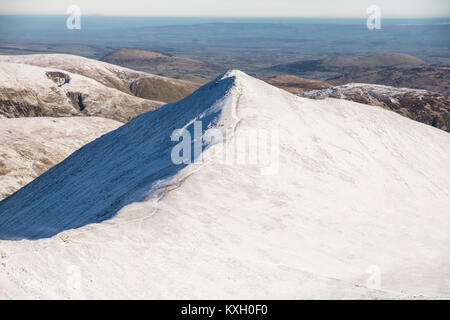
{"points": [[320, 170], [234, 73], [135, 162]]}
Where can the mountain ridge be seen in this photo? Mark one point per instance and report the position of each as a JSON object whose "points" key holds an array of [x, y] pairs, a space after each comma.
{"points": [[424, 106], [357, 187], [27, 91], [132, 82]]}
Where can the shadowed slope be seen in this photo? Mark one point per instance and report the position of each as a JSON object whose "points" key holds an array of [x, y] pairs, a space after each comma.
{"points": [[109, 173]]}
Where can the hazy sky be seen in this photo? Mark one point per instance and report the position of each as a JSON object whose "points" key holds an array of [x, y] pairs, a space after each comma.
{"points": [[234, 8]]}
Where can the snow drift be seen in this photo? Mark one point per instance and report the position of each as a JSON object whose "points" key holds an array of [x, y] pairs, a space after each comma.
{"points": [[358, 189]]}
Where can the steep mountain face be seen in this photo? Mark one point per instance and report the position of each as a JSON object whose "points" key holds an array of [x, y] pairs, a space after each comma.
{"points": [[424, 106], [30, 91], [30, 146], [295, 84], [164, 64], [141, 84], [337, 189]]}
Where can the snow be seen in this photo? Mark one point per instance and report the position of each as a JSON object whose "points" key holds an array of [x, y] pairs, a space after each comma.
{"points": [[106, 73], [31, 85], [376, 89], [29, 146], [357, 189]]}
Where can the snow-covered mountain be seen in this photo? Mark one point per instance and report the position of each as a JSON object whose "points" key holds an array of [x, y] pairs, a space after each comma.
{"points": [[27, 91], [355, 206], [30, 146], [421, 105], [141, 84]]}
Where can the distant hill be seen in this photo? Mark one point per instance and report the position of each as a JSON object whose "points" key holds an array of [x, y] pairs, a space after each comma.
{"points": [[295, 84], [164, 64], [390, 69], [138, 83], [346, 64], [421, 105], [432, 78], [31, 91], [159, 88]]}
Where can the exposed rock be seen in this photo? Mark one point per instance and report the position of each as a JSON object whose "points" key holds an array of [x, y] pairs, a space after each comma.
{"points": [[60, 78], [421, 105]]}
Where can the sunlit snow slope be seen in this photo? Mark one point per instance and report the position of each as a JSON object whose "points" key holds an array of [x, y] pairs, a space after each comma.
{"points": [[358, 189], [30, 146]]}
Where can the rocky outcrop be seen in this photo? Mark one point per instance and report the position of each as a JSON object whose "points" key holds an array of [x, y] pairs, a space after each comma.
{"points": [[421, 105], [60, 78]]}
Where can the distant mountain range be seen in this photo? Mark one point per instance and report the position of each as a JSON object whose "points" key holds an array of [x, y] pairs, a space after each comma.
{"points": [[346, 64], [131, 82], [295, 84], [164, 64], [431, 78], [392, 69]]}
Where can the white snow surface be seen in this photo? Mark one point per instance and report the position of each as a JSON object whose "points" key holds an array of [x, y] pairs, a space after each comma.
{"points": [[31, 82], [358, 189], [106, 73], [349, 88], [29, 146]]}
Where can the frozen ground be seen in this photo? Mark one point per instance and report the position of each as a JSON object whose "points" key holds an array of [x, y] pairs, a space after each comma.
{"points": [[421, 105], [150, 86], [27, 91], [30, 146], [359, 193]]}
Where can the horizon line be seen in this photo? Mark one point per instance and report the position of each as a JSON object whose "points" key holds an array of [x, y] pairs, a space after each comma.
{"points": [[220, 17]]}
